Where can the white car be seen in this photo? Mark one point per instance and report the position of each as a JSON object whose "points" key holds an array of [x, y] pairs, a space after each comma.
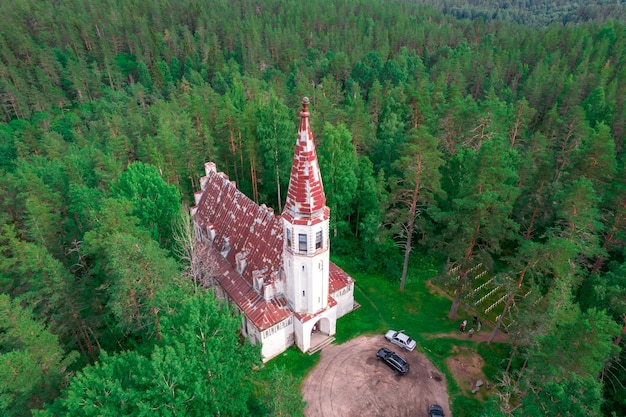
{"points": [[400, 339]]}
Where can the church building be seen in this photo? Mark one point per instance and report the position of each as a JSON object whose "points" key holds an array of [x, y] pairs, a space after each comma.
{"points": [[275, 269]]}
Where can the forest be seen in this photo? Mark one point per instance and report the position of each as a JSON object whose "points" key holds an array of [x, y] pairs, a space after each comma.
{"points": [[533, 12], [441, 132]]}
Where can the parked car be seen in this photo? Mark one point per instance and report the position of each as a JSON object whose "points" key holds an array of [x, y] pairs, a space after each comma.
{"points": [[400, 339], [394, 361], [435, 410]]}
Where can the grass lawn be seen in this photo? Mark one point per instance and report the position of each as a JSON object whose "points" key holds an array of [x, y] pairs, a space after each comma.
{"points": [[418, 310]]}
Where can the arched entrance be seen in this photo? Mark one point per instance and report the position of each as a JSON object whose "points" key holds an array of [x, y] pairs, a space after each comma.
{"points": [[320, 335]]}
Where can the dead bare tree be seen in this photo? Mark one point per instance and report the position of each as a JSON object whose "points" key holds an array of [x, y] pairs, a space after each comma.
{"points": [[196, 258]]}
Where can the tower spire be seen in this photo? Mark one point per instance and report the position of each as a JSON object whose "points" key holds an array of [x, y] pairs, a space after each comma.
{"points": [[306, 253], [306, 200]]}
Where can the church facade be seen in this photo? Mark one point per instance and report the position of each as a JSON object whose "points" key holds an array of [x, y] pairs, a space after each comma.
{"points": [[275, 269]]}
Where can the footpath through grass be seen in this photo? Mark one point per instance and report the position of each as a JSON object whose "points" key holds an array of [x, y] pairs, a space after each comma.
{"points": [[418, 311]]}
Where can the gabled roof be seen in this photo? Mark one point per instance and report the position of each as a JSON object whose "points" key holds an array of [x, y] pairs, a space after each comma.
{"points": [[305, 196], [252, 232], [263, 314]]}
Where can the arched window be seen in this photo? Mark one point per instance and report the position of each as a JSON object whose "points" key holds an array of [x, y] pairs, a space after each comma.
{"points": [[318, 239]]}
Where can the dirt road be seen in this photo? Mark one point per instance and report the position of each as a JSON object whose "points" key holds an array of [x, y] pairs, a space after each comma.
{"points": [[350, 381]]}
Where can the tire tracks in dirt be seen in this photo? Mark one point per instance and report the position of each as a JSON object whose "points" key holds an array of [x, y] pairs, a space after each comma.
{"points": [[349, 381]]}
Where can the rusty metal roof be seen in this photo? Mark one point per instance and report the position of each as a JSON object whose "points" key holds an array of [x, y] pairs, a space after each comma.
{"points": [[304, 317], [263, 314], [252, 232], [338, 278]]}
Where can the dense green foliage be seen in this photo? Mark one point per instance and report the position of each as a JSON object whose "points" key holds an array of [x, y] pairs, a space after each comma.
{"points": [[532, 13], [109, 109], [188, 371], [32, 362]]}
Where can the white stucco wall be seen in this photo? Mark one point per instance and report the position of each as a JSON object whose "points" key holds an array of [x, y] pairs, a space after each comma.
{"points": [[307, 272], [345, 300], [277, 339], [303, 330]]}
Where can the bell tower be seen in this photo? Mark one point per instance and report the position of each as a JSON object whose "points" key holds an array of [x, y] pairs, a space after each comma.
{"points": [[305, 220]]}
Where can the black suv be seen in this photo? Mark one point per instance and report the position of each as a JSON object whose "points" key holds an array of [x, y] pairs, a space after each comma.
{"points": [[435, 410], [394, 361]]}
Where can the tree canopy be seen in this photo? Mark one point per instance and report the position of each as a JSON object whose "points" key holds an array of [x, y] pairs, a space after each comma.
{"points": [[108, 111]]}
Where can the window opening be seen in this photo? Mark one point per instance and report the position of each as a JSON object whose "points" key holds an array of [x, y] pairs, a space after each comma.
{"points": [[318, 240], [302, 242]]}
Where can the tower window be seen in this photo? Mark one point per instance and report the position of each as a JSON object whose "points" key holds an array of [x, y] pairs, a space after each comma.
{"points": [[302, 242], [318, 240], [289, 237]]}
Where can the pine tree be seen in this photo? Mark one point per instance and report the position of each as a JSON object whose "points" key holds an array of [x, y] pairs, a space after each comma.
{"points": [[276, 138], [415, 190], [33, 363], [200, 368], [479, 219]]}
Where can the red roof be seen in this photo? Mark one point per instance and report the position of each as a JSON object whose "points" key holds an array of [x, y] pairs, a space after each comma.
{"points": [[305, 195], [304, 317], [250, 230], [254, 235], [338, 278], [264, 314]]}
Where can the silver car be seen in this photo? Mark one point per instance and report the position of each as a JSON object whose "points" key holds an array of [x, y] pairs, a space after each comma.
{"points": [[400, 339]]}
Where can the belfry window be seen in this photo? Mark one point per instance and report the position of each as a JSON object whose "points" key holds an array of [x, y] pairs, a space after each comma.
{"points": [[318, 240], [302, 242], [289, 238]]}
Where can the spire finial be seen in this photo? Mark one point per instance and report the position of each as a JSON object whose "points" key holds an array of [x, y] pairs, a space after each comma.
{"points": [[304, 115]]}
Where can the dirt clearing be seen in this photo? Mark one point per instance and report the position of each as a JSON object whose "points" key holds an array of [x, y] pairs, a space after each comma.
{"points": [[350, 381]]}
